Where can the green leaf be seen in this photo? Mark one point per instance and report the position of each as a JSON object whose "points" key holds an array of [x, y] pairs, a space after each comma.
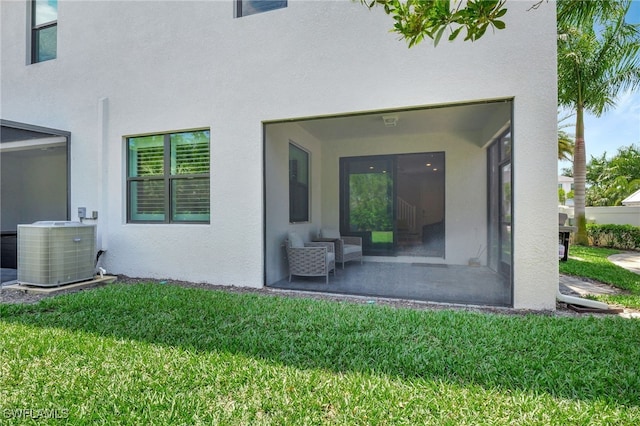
{"points": [[481, 31], [455, 33], [436, 40], [499, 24]]}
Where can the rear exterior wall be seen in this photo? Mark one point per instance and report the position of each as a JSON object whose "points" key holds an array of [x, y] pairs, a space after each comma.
{"points": [[130, 68]]}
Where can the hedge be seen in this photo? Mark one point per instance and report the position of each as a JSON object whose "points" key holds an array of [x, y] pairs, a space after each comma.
{"points": [[624, 237]]}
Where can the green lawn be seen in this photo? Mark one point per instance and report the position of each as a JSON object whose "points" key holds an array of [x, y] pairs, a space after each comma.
{"points": [[378, 237], [159, 354], [591, 262]]}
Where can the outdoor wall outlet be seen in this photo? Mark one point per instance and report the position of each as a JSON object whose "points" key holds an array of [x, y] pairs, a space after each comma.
{"points": [[94, 214], [82, 212]]}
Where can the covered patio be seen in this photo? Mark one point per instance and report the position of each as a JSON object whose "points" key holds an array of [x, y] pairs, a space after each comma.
{"points": [[428, 189], [34, 165]]}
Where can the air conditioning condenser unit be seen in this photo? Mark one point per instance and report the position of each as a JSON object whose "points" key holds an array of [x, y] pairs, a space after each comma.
{"points": [[53, 253]]}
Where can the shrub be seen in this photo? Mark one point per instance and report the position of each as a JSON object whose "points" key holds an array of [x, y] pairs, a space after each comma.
{"points": [[624, 237]]}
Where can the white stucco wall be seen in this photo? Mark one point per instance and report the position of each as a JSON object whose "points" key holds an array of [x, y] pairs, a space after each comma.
{"points": [[127, 68], [277, 138]]}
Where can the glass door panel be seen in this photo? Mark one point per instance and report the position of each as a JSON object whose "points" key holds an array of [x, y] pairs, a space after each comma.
{"points": [[420, 204], [493, 231], [500, 208], [505, 217], [368, 202]]}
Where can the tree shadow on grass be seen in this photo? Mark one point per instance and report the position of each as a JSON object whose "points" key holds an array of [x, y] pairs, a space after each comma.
{"points": [[583, 359]]}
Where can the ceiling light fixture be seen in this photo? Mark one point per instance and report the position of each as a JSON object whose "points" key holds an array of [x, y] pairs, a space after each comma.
{"points": [[390, 120]]}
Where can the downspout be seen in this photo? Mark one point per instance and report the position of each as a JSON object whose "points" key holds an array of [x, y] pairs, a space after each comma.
{"points": [[572, 300], [103, 126]]}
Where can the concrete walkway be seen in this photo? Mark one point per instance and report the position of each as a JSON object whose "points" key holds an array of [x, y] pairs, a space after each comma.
{"points": [[574, 286], [629, 260]]}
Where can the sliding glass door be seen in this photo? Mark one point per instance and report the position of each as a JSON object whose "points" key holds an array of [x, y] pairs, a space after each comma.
{"points": [[500, 205], [368, 202], [395, 203]]}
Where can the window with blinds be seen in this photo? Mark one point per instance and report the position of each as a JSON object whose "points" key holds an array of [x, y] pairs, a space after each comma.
{"points": [[168, 178]]}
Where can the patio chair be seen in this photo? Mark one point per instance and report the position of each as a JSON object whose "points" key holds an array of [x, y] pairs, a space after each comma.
{"points": [[347, 248], [311, 259]]}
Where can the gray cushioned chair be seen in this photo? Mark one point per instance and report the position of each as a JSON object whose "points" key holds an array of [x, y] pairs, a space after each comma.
{"points": [[347, 248], [311, 259]]}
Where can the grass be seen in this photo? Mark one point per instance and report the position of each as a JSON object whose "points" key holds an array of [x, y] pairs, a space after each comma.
{"points": [[382, 237], [592, 262], [159, 354]]}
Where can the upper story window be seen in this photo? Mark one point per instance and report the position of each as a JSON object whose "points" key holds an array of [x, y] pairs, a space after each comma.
{"points": [[168, 178], [44, 30], [250, 7]]}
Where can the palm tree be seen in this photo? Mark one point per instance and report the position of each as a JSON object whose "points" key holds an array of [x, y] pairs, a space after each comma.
{"points": [[598, 57], [611, 181], [579, 13], [565, 140], [565, 146]]}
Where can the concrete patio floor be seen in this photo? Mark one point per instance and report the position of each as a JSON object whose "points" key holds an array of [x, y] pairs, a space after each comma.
{"points": [[414, 281]]}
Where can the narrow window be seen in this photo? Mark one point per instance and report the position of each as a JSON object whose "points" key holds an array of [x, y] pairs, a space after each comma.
{"points": [[298, 184], [44, 30], [168, 178], [250, 7]]}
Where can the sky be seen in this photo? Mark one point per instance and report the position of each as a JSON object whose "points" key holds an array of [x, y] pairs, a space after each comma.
{"points": [[618, 127]]}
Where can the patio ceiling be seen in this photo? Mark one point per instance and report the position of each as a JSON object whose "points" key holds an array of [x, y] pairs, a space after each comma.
{"points": [[479, 122], [21, 137]]}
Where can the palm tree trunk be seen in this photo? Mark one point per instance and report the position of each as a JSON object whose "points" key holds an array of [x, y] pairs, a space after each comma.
{"points": [[579, 178]]}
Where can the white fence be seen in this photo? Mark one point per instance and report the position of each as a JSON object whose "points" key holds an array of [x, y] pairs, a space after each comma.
{"points": [[619, 215]]}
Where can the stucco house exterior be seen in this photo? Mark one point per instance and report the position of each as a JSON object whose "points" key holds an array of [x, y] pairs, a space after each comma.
{"points": [[198, 134], [566, 184]]}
